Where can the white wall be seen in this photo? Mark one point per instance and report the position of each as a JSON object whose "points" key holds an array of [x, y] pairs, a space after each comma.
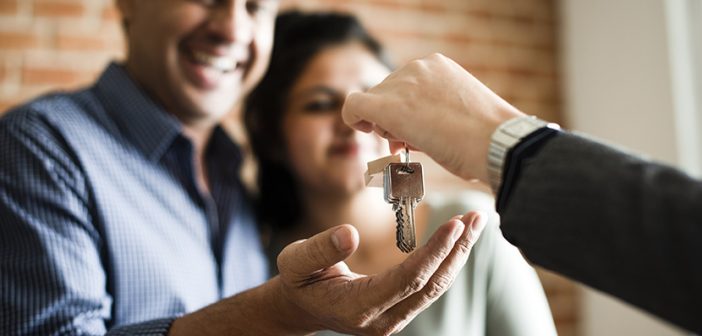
{"points": [[684, 21], [618, 85]]}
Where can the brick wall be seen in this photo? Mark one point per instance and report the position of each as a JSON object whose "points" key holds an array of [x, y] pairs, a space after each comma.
{"points": [[54, 44], [508, 44]]}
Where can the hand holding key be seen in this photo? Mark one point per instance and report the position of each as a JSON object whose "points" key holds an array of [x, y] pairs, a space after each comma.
{"points": [[317, 285], [437, 107]]}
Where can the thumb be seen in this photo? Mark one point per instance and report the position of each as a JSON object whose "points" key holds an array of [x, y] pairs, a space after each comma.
{"points": [[325, 249]]}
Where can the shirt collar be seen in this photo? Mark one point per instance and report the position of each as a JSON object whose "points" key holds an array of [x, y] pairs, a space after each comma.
{"points": [[149, 126], [144, 122], [225, 152]]}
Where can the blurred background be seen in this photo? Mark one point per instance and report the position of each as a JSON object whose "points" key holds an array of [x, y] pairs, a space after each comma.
{"points": [[625, 71]]}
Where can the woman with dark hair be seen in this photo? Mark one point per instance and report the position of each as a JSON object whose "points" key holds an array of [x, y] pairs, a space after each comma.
{"points": [[311, 178]]}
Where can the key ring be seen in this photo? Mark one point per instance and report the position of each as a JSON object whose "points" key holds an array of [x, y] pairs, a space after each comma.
{"points": [[407, 158], [407, 169]]}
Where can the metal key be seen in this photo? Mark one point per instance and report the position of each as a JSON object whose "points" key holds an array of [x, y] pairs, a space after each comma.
{"points": [[403, 184]]}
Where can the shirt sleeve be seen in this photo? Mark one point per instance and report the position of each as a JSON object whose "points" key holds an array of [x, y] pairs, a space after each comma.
{"points": [[52, 275]]}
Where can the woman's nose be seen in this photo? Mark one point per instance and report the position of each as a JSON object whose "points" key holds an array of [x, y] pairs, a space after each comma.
{"points": [[341, 127]]}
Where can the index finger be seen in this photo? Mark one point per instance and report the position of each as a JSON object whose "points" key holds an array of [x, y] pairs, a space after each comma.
{"points": [[355, 111]]}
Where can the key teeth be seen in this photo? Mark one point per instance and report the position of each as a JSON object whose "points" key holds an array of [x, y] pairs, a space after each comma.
{"points": [[399, 237], [399, 218]]}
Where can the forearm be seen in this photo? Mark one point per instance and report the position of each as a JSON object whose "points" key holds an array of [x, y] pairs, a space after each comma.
{"points": [[263, 310], [617, 223]]}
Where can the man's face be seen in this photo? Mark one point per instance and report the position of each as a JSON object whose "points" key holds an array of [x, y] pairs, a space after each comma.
{"points": [[198, 57]]}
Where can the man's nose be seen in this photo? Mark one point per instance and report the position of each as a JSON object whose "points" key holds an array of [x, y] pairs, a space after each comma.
{"points": [[232, 23]]}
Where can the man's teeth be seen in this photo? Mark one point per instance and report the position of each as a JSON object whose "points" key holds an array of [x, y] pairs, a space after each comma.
{"points": [[221, 63]]}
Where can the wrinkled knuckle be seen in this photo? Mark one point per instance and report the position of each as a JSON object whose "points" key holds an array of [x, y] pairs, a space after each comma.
{"points": [[438, 285], [382, 329], [399, 325], [317, 253], [386, 331], [283, 260], [396, 324], [414, 279], [463, 246], [444, 252], [360, 321], [414, 285]]}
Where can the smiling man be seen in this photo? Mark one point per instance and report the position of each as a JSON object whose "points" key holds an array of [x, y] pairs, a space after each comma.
{"points": [[121, 211]]}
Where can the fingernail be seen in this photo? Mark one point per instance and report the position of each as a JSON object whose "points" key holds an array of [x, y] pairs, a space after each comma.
{"points": [[458, 231], [479, 223], [335, 240], [338, 240], [363, 126]]}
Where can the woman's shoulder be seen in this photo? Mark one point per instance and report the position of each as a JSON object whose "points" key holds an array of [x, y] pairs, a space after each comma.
{"points": [[459, 202], [442, 206], [491, 245]]}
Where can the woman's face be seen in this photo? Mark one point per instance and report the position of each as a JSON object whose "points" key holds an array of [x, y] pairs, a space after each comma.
{"points": [[323, 153]]}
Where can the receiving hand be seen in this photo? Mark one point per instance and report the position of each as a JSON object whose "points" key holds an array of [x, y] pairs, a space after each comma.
{"points": [[315, 280]]}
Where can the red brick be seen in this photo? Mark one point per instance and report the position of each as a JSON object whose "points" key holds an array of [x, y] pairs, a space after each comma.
{"points": [[57, 8], [6, 105], [111, 13], [54, 76], [18, 40], [78, 42], [82, 37], [8, 7], [479, 13], [426, 6]]}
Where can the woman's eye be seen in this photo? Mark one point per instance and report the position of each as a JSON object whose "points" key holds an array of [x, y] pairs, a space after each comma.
{"points": [[253, 7], [321, 106], [261, 7], [206, 3]]}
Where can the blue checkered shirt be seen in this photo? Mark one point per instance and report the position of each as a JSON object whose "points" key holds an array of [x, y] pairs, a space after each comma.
{"points": [[102, 226]]}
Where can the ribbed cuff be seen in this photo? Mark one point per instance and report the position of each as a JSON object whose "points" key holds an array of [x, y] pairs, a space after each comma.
{"points": [[148, 328]]}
